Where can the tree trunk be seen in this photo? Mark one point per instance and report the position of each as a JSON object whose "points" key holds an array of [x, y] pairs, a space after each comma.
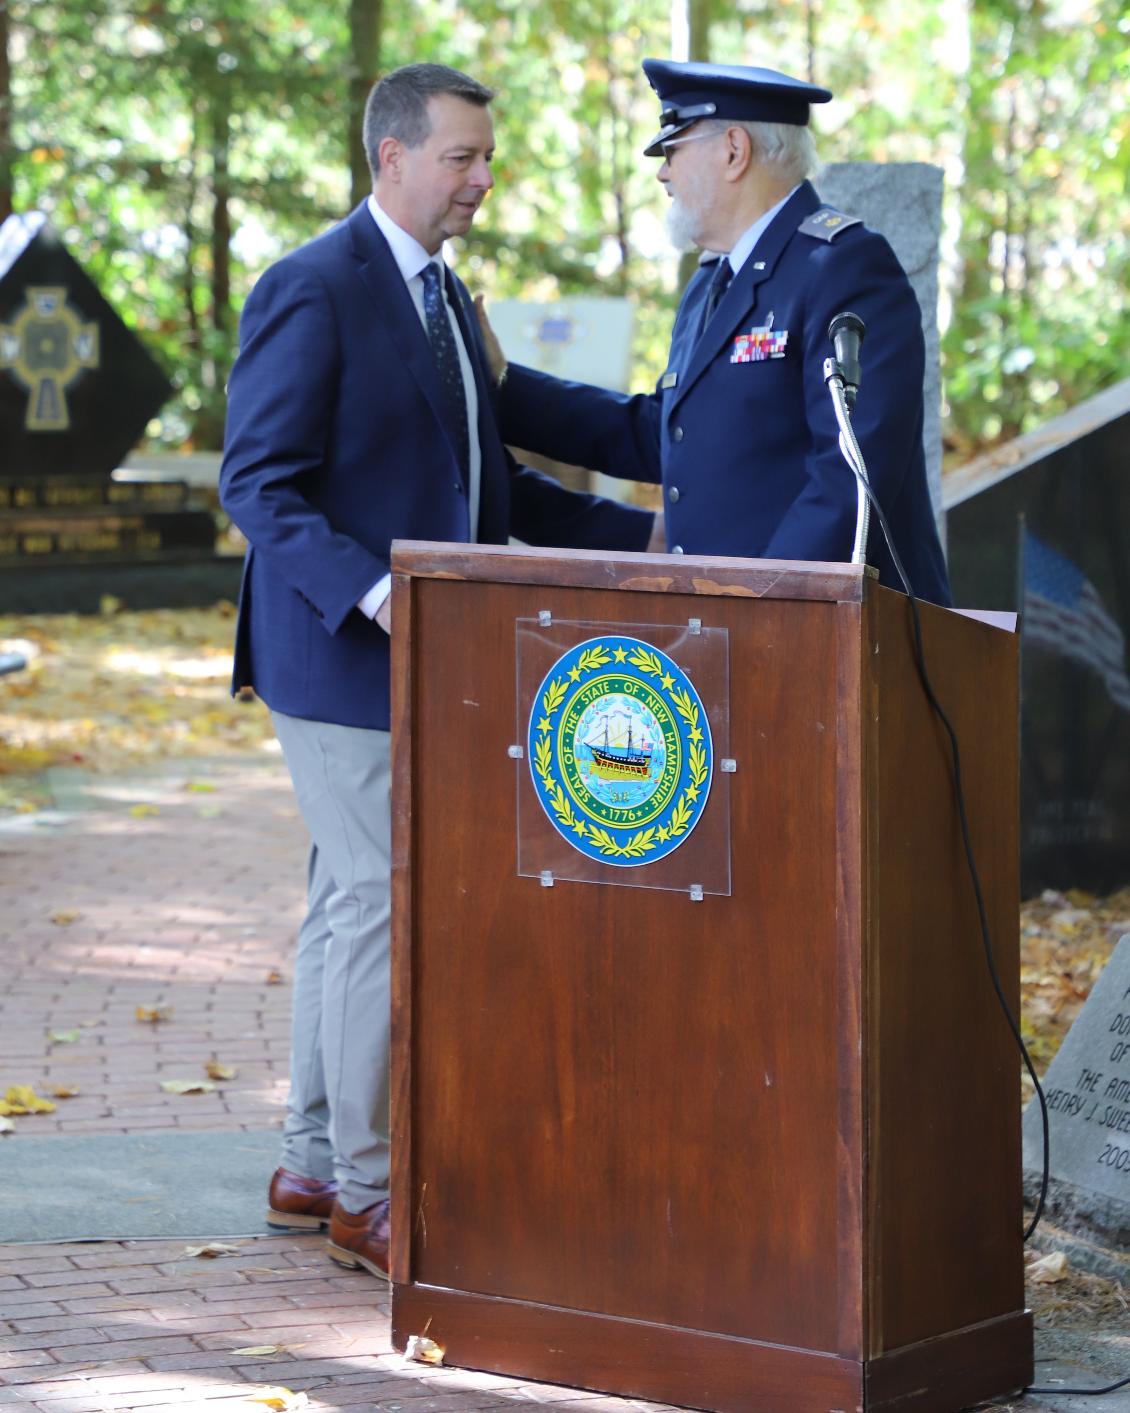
{"points": [[208, 432], [701, 15], [810, 37], [6, 155], [221, 210], [365, 43], [188, 270]]}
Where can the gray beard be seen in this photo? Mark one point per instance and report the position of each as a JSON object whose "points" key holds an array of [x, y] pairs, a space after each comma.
{"points": [[682, 226]]}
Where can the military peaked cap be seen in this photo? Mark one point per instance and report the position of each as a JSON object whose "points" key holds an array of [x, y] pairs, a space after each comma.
{"points": [[691, 91]]}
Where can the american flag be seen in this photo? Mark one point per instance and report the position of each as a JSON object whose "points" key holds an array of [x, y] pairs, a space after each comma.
{"points": [[1064, 613]]}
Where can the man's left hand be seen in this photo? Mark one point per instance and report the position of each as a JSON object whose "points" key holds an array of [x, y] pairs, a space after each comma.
{"points": [[495, 355]]}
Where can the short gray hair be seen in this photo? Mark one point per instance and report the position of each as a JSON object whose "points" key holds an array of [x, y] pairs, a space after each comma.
{"points": [[786, 146], [397, 105]]}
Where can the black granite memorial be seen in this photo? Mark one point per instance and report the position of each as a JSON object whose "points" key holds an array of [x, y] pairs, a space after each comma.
{"points": [[1042, 527], [77, 389]]}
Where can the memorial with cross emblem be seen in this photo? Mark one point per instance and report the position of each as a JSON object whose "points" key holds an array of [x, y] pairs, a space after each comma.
{"points": [[77, 391]]}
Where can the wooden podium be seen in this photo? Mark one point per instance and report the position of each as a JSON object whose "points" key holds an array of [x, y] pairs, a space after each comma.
{"points": [[759, 1151]]}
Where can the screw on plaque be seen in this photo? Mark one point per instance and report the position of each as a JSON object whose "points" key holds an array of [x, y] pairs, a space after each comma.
{"points": [[695, 626], [546, 878], [696, 892], [515, 752], [545, 618], [727, 765]]}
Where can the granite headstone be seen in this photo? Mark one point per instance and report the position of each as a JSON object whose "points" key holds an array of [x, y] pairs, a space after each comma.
{"points": [[1087, 1089], [903, 201]]}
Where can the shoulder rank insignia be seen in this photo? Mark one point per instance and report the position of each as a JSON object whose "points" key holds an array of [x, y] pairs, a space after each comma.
{"points": [[826, 224], [760, 344]]}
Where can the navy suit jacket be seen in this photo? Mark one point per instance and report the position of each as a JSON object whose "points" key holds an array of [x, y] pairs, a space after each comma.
{"points": [[747, 451], [336, 445]]}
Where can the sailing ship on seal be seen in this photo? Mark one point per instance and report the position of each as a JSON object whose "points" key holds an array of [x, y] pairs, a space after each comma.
{"points": [[627, 762]]}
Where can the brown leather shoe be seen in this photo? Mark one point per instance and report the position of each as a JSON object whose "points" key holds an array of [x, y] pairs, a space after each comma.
{"points": [[299, 1202], [360, 1239]]}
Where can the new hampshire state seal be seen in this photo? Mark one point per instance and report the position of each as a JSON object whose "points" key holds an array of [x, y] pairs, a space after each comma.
{"points": [[620, 751]]}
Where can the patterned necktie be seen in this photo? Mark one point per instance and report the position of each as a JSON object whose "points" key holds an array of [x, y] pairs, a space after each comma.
{"points": [[719, 284], [447, 363]]}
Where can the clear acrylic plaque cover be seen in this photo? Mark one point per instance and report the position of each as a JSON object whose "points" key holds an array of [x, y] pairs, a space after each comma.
{"points": [[622, 754]]}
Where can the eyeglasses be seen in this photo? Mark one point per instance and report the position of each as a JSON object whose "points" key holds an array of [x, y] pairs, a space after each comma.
{"points": [[666, 147]]}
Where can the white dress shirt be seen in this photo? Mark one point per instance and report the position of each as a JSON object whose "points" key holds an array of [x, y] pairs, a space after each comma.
{"points": [[411, 257], [744, 245]]}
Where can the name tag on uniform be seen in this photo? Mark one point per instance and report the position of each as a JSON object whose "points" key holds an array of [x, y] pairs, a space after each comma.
{"points": [[669, 379], [760, 344]]}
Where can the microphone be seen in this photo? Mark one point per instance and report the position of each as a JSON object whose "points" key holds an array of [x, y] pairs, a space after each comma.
{"points": [[846, 333]]}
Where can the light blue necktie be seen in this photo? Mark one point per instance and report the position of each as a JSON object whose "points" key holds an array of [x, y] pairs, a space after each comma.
{"points": [[447, 364]]}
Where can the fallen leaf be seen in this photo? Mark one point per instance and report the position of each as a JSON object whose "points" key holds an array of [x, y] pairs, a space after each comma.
{"points": [[423, 1350], [187, 1086], [212, 1250], [64, 1091], [65, 916], [140, 811], [200, 787], [63, 1037], [215, 1070], [280, 1398], [109, 604], [1048, 1269], [153, 1014], [260, 1349], [274, 978], [24, 760], [22, 1099]]}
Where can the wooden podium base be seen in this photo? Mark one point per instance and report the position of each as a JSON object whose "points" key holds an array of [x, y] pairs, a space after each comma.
{"points": [[753, 1145], [698, 1370]]}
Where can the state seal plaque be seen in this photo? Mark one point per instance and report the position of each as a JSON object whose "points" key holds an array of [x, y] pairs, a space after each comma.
{"points": [[620, 750]]}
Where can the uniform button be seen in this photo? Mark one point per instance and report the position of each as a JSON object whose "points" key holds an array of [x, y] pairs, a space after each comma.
{"points": [[458, 486], [676, 549], [676, 434], [673, 494]]}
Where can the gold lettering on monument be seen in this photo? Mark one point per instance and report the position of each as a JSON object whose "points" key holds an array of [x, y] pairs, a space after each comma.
{"points": [[72, 495]]}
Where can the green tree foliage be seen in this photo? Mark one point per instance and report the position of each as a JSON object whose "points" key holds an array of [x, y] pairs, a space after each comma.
{"points": [[1040, 318], [180, 145], [177, 145]]}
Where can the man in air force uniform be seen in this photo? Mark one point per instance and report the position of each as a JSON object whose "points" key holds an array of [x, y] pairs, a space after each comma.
{"points": [[741, 432]]}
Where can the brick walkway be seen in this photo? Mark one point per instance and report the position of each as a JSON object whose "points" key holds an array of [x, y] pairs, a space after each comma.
{"points": [[167, 894]]}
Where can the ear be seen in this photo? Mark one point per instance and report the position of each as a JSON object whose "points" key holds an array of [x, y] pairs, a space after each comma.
{"points": [[391, 154], [739, 153]]}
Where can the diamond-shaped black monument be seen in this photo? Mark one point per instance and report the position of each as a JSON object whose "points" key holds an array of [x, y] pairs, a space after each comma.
{"points": [[77, 389], [76, 386]]}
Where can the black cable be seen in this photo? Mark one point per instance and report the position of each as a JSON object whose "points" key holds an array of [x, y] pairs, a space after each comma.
{"points": [[920, 662], [1079, 1392]]}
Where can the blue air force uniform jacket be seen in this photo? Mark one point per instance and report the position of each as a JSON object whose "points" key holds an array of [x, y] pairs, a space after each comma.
{"points": [[741, 431], [336, 445]]}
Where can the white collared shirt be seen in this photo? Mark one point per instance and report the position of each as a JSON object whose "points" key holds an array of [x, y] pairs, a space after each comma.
{"points": [[411, 258], [744, 245]]}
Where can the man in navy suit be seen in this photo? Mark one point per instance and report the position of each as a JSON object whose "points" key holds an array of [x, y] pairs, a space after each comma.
{"points": [[741, 431], [360, 410]]}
